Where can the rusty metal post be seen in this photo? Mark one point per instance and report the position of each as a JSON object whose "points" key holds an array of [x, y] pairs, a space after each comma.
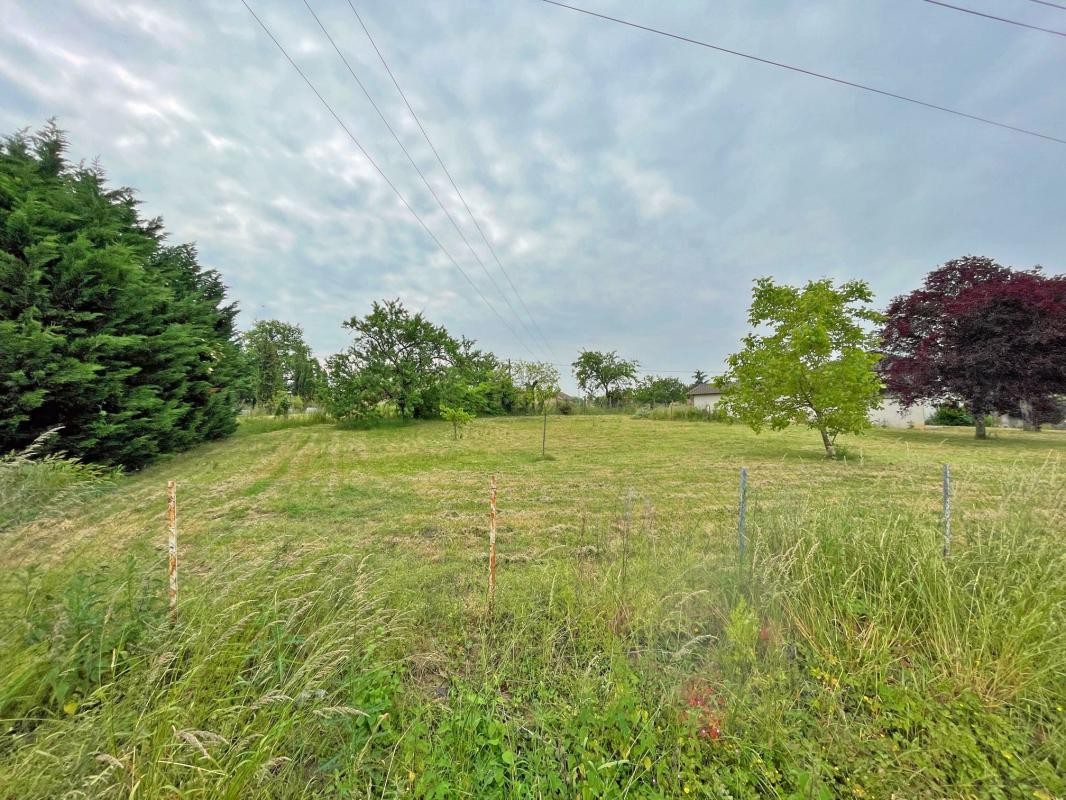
{"points": [[172, 549], [492, 541], [947, 511]]}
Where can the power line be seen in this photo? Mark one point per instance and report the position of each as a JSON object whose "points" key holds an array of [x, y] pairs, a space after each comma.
{"points": [[414, 164], [997, 19], [451, 180], [1049, 3], [384, 177], [809, 73]]}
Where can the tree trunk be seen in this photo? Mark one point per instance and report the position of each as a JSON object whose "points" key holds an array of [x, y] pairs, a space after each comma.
{"points": [[979, 426], [830, 451]]}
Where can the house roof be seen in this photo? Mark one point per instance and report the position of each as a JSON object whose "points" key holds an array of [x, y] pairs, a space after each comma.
{"points": [[703, 388]]}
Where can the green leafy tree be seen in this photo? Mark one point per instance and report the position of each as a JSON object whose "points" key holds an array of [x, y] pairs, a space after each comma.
{"points": [[279, 362], [477, 381], [458, 417], [396, 357], [536, 383], [125, 342], [814, 365], [653, 390], [606, 372]]}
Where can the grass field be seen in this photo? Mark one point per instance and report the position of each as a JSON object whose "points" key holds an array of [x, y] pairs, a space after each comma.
{"points": [[334, 637]]}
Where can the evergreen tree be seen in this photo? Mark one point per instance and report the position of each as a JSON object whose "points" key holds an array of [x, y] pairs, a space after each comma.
{"points": [[126, 343]]}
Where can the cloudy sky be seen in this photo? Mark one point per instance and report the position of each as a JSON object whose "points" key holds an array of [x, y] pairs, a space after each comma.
{"points": [[631, 185]]}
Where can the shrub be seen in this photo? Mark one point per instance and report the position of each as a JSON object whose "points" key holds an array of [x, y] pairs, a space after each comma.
{"points": [[458, 417], [957, 416], [951, 415], [282, 404], [79, 636]]}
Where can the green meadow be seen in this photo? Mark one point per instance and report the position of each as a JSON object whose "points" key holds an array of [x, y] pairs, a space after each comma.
{"points": [[335, 636]]}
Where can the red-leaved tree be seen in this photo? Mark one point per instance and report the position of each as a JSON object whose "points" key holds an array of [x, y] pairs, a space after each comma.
{"points": [[979, 332]]}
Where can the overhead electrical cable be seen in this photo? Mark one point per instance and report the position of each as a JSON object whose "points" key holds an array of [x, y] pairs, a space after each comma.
{"points": [[997, 19], [451, 180], [384, 177], [417, 169], [809, 73], [1049, 3]]}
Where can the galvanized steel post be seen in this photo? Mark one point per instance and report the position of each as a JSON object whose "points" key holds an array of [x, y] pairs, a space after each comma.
{"points": [[743, 511], [492, 541]]}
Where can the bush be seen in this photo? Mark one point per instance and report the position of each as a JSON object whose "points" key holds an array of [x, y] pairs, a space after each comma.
{"points": [[78, 636], [458, 417], [951, 415], [956, 416]]}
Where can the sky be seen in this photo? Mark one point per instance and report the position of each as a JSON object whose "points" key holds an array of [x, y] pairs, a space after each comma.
{"points": [[632, 186]]}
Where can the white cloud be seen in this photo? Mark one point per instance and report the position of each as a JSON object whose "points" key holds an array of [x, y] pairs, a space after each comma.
{"points": [[632, 186]]}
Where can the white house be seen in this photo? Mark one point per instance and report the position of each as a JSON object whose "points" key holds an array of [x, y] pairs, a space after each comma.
{"points": [[891, 414], [704, 395]]}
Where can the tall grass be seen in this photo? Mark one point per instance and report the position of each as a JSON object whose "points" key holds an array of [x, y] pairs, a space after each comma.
{"points": [[276, 681], [680, 412], [34, 482], [250, 424], [945, 672]]}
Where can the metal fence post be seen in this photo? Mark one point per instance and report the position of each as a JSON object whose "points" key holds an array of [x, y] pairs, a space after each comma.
{"points": [[741, 543], [492, 542], [947, 511]]}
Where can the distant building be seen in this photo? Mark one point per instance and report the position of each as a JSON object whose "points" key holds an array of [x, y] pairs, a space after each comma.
{"points": [[892, 414], [704, 395]]}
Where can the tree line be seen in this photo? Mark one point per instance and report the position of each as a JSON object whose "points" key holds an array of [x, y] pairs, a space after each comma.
{"points": [[976, 335], [130, 346]]}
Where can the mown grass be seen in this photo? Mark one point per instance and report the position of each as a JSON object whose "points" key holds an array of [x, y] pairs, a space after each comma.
{"points": [[334, 638]]}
